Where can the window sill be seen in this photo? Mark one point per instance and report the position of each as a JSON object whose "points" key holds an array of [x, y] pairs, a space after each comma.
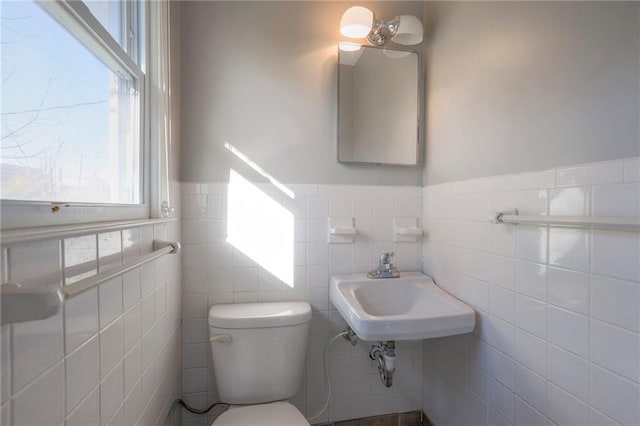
{"points": [[39, 233]]}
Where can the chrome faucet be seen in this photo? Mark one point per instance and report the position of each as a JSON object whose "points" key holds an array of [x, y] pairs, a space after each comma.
{"points": [[385, 269]]}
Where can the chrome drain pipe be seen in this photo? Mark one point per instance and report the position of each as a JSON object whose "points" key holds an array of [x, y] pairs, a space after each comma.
{"points": [[385, 354]]}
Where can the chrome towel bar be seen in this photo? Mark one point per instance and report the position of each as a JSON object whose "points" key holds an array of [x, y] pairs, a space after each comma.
{"points": [[611, 223], [27, 304]]}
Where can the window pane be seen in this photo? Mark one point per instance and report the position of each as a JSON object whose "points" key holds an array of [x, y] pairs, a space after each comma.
{"points": [[69, 123], [110, 13]]}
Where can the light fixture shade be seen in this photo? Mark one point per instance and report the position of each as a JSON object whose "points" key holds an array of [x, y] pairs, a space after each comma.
{"points": [[356, 22], [409, 30]]}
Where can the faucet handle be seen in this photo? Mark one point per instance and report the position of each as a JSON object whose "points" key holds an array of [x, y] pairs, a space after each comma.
{"points": [[385, 258]]}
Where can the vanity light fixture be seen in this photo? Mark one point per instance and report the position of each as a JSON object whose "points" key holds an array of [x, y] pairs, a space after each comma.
{"points": [[360, 22]]}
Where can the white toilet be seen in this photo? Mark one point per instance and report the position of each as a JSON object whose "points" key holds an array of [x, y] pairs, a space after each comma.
{"points": [[259, 354]]}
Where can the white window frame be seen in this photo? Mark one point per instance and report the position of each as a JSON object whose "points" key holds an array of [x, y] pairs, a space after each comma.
{"points": [[76, 18]]}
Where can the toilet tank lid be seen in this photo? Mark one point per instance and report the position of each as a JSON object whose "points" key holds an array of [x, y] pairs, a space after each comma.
{"points": [[259, 315]]}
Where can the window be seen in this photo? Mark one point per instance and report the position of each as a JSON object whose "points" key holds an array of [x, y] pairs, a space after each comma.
{"points": [[72, 108]]}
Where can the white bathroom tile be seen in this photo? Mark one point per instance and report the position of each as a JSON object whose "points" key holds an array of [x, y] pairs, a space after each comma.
{"points": [[596, 418], [193, 256], [109, 250], [531, 315], [531, 387], [614, 396], [317, 254], [80, 258], [632, 169], [194, 306], [526, 415], [299, 230], [148, 312], [146, 239], [620, 200], [569, 248], [161, 301], [495, 419], [590, 174], [34, 264], [111, 346], [568, 330], [317, 207], [340, 254], [564, 409], [196, 231], [502, 368], [501, 303], [194, 330], [245, 279], [574, 201], [502, 399], [531, 279], [616, 254], [501, 271], [88, 412], [42, 402], [5, 364], [317, 229], [544, 179], [477, 408], [195, 206], [220, 255], [133, 368], [569, 289], [217, 280], [148, 280], [502, 200], [532, 202], [132, 327], [478, 293], [130, 289], [110, 300], [500, 334], [5, 413], [530, 351], [36, 346], [531, 243], [216, 229], [134, 405], [82, 372], [318, 298], [111, 393], [568, 371], [80, 318], [615, 349], [317, 276], [502, 240], [194, 355], [616, 302]]}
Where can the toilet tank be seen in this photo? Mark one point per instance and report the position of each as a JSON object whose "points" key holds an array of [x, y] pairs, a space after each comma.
{"points": [[258, 350]]}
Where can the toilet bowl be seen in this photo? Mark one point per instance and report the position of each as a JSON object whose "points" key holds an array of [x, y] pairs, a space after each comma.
{"points": [[258, 352], [273, 414]]}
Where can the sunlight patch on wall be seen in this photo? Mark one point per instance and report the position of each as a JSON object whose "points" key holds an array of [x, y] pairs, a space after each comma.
{"points": [[260, 227]]}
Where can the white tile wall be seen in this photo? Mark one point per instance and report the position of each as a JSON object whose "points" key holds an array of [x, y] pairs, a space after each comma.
{"points": [[556, 340], [216, 271], [84, 366]]}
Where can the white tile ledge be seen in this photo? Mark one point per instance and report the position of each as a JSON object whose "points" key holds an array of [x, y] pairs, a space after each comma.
{"points": [[40, 233]]}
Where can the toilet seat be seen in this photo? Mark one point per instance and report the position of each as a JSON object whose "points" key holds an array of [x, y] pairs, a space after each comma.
{"points": [[274, 414]]}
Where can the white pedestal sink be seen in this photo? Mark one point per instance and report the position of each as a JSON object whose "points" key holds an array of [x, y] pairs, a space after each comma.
{"points": [[407, 308]]}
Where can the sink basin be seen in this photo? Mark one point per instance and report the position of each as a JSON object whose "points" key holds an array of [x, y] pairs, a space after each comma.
{"points": [[407, 308]]}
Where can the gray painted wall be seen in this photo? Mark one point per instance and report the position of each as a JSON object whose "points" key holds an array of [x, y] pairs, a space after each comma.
{"points": [[262, 76], [522, 86]]}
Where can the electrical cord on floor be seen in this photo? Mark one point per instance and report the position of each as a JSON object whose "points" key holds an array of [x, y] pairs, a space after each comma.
{"points": [[326, 375], [186, 406]]}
